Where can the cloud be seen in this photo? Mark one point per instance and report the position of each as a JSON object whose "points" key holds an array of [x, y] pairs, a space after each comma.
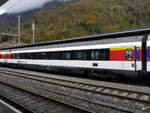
{"points": [[18, 6], [2, 11]]}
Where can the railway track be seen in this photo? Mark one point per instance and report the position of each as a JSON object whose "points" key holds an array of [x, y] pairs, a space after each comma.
{"points": [[29, 102], [140, 97]]}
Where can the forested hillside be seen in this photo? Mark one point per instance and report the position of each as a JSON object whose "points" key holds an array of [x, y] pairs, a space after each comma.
{"points": [[86, 17]]}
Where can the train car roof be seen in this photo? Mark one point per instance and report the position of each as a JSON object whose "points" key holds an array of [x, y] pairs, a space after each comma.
{"points": [[133, 32]]}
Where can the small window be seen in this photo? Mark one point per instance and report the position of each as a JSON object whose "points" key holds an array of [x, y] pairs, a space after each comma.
{"points": [[128, 54], [44, 55], [13, 56], [54, 55], [81, 55], [101, 54], [98, 55], [17, 56]]}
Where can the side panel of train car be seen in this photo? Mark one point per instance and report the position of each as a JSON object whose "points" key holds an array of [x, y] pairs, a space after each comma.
{"points": [[120, 58]]}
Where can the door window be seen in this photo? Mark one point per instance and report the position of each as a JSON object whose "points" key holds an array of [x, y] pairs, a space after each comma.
{"points": [[128, 54]]}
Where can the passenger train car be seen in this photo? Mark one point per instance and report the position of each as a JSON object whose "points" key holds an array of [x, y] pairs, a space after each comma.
{"points": [[124, 53]]}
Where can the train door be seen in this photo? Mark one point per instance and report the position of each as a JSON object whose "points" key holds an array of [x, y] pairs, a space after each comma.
{"points": [[137, 58], [5, 58], [132, 56], [148, 54]]}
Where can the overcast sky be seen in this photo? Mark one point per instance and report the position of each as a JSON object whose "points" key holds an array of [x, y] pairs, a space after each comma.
{"points": [[17, 6]]}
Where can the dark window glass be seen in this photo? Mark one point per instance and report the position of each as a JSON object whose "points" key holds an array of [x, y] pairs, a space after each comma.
{"points": [[18, 56], [98, 55], [44, 55], [102, 54], [55, 55], [28, 55], [80, 55], [14, 56], [67, 55]]}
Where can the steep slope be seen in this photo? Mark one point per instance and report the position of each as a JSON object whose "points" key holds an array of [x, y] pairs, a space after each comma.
{"points": [[86, 17]]}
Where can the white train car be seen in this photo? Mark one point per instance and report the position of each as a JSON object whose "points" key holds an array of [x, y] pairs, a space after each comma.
{"points": [[122, 53]]}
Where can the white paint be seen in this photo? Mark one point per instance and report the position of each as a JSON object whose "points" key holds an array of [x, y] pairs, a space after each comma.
{"points": [[12, 108], [118, 65], [148, 66], [148, 43], [98, 46]]}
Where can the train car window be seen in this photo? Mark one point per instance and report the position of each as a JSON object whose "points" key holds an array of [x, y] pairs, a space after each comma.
{"points": [[28, 56], [13, 56], [107, 54], [128, 54], [24, 55], [66, 56], [102, 54], [55, 55], [77, 55], [63, 56], [33, 55], [81, 55], [98, 55], [17, 56], [92, 55], [20, 55], [72, 54], [49, 55], [39, 56], [87, 54], [44, 55]]}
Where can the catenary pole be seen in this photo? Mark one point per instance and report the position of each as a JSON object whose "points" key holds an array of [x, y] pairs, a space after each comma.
{"points": [[33, 31], [19, 31]]}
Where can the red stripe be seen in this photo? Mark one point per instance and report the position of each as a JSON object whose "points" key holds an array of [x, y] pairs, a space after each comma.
{"points": [[117, 55]]}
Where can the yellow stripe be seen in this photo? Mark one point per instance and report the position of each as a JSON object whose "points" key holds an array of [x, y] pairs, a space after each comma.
{"points": [[123, 48]]}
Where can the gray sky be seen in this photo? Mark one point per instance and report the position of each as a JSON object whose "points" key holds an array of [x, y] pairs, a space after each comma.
{"points": [[18, 6]]}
